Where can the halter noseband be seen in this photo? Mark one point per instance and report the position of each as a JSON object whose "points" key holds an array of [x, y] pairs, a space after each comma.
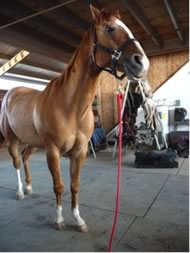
{"points": [[115, 55]]}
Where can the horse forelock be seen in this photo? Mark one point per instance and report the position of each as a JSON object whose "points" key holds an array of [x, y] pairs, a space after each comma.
{"points": [[107, 15]]}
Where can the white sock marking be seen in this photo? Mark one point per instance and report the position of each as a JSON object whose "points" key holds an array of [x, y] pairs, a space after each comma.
{"points": [[76, 214], [19, 182], [29, 187], [59, 217]]}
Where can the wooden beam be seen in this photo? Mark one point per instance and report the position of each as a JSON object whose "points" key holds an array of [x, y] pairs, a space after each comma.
{"points": [[172, 45], [39, 35], [33, 43], [173, 16], [13, 61], [138, 14], [70, 16], [95, 3], [32, 73], [44, 66], [57, 30], [43, 22], [33, 14]]}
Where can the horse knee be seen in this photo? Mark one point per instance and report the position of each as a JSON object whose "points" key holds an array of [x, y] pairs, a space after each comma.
{"points": [[58, 189], [75, 188]]}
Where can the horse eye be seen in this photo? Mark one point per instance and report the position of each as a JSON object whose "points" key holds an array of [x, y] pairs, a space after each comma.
{"points": [[109, 29]]}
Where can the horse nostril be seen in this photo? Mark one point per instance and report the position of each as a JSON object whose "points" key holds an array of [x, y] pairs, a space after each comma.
{"points": [[137, 59]]}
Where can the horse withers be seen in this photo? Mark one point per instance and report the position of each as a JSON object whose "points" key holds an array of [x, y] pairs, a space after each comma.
{"points": [[60, 118]]}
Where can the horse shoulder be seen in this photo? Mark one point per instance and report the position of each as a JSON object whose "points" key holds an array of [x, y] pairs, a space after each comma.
{"points": [[86, 125]]}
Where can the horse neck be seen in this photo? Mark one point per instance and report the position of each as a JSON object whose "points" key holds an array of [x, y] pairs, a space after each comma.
{"points": [[77, 85]]}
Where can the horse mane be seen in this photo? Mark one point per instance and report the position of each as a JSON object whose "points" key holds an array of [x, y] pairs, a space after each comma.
{"points": [[87, 37], [60, 80]]}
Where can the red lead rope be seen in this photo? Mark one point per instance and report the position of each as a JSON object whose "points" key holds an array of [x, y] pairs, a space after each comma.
{"points": [[119, 105]]}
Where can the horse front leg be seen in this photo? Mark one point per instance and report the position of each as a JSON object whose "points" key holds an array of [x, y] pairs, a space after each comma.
{"points": [[26, 153], [53, 159], [75, 168]]}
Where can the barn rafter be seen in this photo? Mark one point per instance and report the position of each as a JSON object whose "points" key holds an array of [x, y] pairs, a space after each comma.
{"points": [[53, 28]]}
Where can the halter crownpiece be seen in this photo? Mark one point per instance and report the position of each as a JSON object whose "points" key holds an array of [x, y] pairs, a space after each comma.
{"points": [[115, 55]]}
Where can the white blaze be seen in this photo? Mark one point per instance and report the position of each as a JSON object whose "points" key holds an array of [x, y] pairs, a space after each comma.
{"points": [[144, 60], [120, 23]]}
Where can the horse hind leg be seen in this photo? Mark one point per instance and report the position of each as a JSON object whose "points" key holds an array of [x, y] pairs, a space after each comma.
{"points": [[14, 152], [26, 153]]}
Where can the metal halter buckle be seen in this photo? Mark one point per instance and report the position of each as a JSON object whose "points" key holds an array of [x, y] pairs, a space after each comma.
{"points": [[116, 55]]}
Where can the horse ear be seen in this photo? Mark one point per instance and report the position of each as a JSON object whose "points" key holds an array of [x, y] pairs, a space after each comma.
{"points": [[96, 13], [117, 14]]}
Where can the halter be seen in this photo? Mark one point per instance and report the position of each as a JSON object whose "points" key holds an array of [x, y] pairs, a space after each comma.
{"points": [[115, 55]]}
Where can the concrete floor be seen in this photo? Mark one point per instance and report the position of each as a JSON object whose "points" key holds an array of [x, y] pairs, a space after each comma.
{"points": [[154, 209]]}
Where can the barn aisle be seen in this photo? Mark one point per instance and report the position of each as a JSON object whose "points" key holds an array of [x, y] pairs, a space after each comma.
{"points": [[154, 211]]}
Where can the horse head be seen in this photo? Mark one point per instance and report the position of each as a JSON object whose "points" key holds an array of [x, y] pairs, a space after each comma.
{"points": [[115, 48]]}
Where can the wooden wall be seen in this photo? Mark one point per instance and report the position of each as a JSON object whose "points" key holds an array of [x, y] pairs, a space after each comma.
{"points": [[106, 93], [162, 67]]}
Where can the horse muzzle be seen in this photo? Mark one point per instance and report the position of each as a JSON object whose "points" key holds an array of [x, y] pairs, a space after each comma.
{"points": [[136, 66]]}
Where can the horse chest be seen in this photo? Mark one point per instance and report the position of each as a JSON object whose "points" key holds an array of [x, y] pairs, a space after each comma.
{"points": [[67, 142], [74, 142]]}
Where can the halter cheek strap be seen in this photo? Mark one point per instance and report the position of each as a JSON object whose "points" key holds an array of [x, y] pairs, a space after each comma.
{"points": [[115, 56]]}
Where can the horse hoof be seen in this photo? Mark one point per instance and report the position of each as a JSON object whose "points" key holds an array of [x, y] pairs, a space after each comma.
{"points": [[83, 228], [28, 191], [20, 196], [59, 226]]}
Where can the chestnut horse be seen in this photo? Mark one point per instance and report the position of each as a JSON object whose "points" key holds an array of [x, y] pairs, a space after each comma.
{"points": [[60, 118]]}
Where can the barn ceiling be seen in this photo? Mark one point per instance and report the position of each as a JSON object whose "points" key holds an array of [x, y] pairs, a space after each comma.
{"points": [[52, 29]]}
